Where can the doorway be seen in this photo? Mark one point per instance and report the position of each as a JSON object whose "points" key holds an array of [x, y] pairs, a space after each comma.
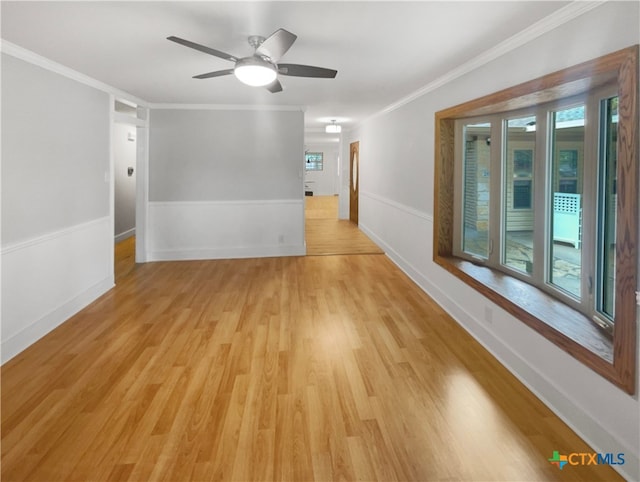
{"points": [[325, 234], [129, 160], [124, 212]]}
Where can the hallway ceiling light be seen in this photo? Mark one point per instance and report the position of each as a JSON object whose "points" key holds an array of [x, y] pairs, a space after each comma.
{"points": [[333, 128]]}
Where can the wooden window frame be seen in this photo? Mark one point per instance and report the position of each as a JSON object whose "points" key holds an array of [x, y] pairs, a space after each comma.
{"points": [[615, 359]]}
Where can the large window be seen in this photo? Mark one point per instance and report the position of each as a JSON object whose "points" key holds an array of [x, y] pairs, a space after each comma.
{"points": [[536, 206], [555, 235]]}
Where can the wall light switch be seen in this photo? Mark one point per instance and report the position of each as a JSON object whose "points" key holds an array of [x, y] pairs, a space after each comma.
{"points": [[129, 171]]}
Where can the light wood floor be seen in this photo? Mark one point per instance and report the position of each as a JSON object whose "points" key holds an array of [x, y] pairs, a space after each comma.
{"points": [[294, 369], [326, 234], [125, 258]]}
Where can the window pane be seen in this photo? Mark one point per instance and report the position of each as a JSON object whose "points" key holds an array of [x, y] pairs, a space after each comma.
{"points": [[607, 208], [519, 149], [566, 201], [476, 161], [313, 161]]}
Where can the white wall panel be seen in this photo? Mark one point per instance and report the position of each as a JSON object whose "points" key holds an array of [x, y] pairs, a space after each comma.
{"points": [[226, 229], [46, 280]]}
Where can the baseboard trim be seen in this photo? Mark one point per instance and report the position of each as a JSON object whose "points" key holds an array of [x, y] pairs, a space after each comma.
{"points": [[125, 235], [227, 253], [36, 330], [228, 202]]}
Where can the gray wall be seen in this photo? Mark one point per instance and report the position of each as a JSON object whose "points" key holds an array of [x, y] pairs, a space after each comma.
{"points": [[55, 151], [218, 155]]}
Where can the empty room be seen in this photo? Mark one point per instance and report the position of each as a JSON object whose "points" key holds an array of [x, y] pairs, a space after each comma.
{"points": [[320, 240]]}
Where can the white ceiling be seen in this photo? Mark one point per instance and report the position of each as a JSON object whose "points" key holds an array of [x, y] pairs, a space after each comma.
{"points": [[383, 51]]}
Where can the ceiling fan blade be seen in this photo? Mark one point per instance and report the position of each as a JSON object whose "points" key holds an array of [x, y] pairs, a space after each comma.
{"points": [[274, 86], [277, 44], [202, 48], [217, 73], [297, 70]]}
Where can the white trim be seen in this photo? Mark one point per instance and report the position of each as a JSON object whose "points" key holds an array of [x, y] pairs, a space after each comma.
{"points": [[232, 202], [51, 236], [142, 187], [36, 330], [127, 102], [121, 118], [535, 30], [397, 205], [257, 107], [36, 59], [112, 183], [124, 235], [227, 253]]}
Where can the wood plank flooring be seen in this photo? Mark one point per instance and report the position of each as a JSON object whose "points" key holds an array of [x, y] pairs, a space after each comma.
{"points": [[125, 258], [325, 234], [293, 369]]}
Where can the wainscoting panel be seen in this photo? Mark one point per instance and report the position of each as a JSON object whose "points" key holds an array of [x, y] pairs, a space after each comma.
{"points": [[225, 229], [48, 279]]}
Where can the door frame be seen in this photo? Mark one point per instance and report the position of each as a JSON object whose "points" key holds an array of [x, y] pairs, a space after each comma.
{"points": [[141, 123]]}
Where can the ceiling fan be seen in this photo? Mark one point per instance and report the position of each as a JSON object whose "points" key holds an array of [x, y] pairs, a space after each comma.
{"points": [[261, 68]]}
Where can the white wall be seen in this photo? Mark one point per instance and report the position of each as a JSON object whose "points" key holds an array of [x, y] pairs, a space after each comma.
{"points": [[57, 236], [225, 183], [325, 182], [396, 210], [124, 154]]}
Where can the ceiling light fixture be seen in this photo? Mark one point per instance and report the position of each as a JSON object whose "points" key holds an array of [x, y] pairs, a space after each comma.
{"points": [[255, 71], [333, 128]]}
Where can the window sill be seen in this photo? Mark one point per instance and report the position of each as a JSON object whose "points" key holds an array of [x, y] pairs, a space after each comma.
{"points": [[569, 329]]}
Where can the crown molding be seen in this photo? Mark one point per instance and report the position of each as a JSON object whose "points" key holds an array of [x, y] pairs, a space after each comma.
{"points": [[535, 30], [47, 64], [258, 107]]}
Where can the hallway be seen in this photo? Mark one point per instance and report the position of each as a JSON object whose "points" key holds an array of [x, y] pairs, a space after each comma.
{"points": [[325, 234]]}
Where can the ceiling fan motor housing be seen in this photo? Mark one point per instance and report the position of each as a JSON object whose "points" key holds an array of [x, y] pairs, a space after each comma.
{"points": [[256, 41]]}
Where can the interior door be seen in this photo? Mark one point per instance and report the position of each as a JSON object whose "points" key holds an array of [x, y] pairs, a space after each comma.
{"points": [[354, 180]]}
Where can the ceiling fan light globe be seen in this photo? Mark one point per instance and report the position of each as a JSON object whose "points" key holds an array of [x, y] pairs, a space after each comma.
{"points": [[255, 72]]}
